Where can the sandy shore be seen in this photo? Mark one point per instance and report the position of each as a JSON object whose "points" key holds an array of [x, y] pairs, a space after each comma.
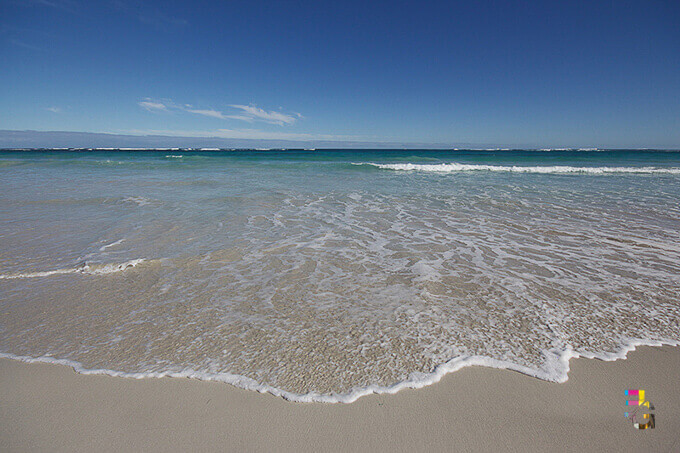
{"points": [[46, 407]]}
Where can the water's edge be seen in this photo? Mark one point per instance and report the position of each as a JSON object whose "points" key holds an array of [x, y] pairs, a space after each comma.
{"points": [[557, 366]]}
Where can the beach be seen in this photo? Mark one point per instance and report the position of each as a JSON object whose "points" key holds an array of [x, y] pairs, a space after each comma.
{"points": [[339, 226], [47, 407], [334, 300]]}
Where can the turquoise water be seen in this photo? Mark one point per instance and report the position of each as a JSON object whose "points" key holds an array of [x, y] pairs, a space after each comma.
{"points": [[329, 274]]}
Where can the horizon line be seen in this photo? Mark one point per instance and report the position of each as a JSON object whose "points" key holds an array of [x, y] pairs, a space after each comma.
{"points": [[31, 139]]}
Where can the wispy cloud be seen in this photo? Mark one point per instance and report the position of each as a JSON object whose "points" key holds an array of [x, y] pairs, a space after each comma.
{"points": [[147, 14], [153, 106], [248, 134], [251, 113], [53, 109], [19, 43], [64, 5], [61, 4], [211, 113], [248, 113]]}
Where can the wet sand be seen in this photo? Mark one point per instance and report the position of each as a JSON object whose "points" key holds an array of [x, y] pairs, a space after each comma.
{"points": [[45, 407]]}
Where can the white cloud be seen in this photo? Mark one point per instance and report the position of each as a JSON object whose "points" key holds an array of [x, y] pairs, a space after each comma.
{"points": [[208, 112], [248, 113], [53, 109], [252, 113], [249, 134], [153, 106]]}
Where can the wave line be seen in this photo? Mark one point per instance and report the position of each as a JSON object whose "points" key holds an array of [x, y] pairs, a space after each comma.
{"points": [[553, 169]]}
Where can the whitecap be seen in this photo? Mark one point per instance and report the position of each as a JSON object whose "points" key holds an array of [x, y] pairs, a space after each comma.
{"points": [[113, 244], [140, 201], [551, 169]]}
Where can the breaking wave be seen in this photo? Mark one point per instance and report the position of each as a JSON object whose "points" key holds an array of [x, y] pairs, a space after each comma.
{"points": [[552, 169]]}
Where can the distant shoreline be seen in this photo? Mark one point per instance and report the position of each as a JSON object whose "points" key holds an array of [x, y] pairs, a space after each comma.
{"points": [[193, 149], [34, 139]]}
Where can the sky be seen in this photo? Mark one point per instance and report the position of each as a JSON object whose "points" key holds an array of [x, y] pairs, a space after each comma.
{"points": [[504, 73]]}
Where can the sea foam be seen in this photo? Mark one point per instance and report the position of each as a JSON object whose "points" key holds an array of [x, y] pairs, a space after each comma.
{"points": [[316, 283], [84, 268], [557, 370], [547, 169]]}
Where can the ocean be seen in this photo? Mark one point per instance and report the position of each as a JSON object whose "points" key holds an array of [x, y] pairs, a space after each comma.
{"points": [[325, 275]]}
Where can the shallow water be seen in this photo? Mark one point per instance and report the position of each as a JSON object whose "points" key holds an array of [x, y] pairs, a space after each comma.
{"points": [[327, 274]]}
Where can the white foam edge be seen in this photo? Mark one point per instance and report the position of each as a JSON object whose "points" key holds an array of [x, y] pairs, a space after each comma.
{"points": [[454, 167], [100, 269], [113, 244], [556, 371]]}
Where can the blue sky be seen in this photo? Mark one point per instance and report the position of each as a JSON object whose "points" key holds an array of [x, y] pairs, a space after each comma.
{"points": [[567, 73]]}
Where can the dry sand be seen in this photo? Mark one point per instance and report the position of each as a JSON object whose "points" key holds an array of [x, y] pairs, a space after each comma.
{"points": [[46, 407]]}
